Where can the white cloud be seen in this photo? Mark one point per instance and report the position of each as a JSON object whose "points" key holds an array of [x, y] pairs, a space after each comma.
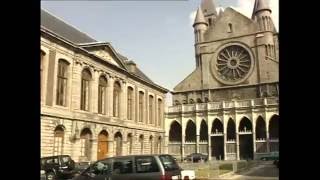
{"points": [[246, 7]]}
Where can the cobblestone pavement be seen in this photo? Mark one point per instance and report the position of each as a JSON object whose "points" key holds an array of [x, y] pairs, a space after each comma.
{"points": [[263, 171]]}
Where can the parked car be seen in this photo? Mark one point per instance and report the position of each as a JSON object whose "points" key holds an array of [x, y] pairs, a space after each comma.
{"points": [[133, 167], [58, 167], [271, 157], [196, 157], [81, 166], [42, 175]]}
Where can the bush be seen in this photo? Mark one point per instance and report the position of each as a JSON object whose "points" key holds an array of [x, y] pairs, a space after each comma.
{"points": [[226, 167]]}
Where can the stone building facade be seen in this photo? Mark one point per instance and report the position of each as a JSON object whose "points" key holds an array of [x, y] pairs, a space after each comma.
{"points": [[228, 106], [95, 103]]}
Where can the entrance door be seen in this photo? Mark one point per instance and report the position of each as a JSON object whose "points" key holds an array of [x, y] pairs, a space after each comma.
{"points": [[217, 147], [246, 146], [102, 145]]}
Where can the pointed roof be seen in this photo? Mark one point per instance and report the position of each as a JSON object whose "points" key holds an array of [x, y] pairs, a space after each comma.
{"points": [[199, 17], [208, 7], [260, 5]]}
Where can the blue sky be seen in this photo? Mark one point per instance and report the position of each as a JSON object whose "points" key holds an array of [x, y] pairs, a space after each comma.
{"points": [[157, 35]]}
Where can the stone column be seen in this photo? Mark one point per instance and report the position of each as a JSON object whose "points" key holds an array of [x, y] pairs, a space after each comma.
{"points": [[267, 135], [94, 149], [237, 144], [197, 143], [182, 145], [146, 108], [110, 96], [76, 86], [254, 140], [94, 92], [123, 101], [110, 148], [209, 147], [225, 145], [136, 92], [166, 143]]}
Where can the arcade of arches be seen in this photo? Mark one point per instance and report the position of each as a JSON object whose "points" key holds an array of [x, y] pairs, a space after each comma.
{"points": [[90, 146], [246, 140]]}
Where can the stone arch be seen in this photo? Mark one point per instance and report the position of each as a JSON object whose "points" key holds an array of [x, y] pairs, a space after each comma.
{"points": [[245, 124], [274, 127], [151, 142], [217, 126], [203, 131], [190, 131], [86, 143], [231, 130], [141, 141], [130, 142], [118, 143], [175, 132], [59, 134], [260, 128], [103, 138]]}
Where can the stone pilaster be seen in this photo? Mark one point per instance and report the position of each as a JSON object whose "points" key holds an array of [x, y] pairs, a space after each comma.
{"points": [[110, 96], [76, 86]]}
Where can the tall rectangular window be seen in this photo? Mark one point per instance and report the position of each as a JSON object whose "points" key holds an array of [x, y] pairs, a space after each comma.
{"points": [[85, 82], [62, 82], [159, 112], [151, 109], [141, 95], [102, 95], [130, 103]]}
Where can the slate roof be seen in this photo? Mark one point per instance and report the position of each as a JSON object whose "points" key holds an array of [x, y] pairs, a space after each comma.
{"points": [[74, 35], [63, 29]]}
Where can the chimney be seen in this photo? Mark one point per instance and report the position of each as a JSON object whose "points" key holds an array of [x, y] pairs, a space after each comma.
{"points": [[131, 66]]}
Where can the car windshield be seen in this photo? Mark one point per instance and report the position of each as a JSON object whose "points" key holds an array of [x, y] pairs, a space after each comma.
{"points": [[169, 163], [65, 159]]}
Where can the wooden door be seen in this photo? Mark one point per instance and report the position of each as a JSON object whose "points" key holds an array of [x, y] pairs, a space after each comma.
{"points": [[102, 145]]}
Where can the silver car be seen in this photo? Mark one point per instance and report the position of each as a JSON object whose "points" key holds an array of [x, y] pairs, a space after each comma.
{"points": [[134, 167]]}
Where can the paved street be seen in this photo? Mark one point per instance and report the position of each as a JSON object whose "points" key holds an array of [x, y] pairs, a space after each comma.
{"points": [[261, 172]]}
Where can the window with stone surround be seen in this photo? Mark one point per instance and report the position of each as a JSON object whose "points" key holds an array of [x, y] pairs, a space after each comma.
{"points": [[141, 98], [151, 109], [130, 103], [116, 99], [159, 112], [42, 76], [85, 89], [58, 140], [62, 82], [102, 95]]}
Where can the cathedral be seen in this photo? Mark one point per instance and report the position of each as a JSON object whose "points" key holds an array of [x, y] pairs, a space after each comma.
{"points": [[228, 106]]}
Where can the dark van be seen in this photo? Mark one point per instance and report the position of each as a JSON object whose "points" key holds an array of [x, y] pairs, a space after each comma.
{"points": [[133, 167]]}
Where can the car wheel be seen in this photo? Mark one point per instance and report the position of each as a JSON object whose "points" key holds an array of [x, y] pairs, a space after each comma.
{"points": [[50, 176]]}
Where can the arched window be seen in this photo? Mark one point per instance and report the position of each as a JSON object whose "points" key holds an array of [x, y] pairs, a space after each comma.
{"points": [[141, 97], [85, 143], [210, 21], [159, 112], [151, 144], [116, 99], [130, 103], [230, 30], [102, 89], [141, 143], [85, 89], [151, 109], [63, 67], [130, 141], [58, 140], [118, 143]]}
